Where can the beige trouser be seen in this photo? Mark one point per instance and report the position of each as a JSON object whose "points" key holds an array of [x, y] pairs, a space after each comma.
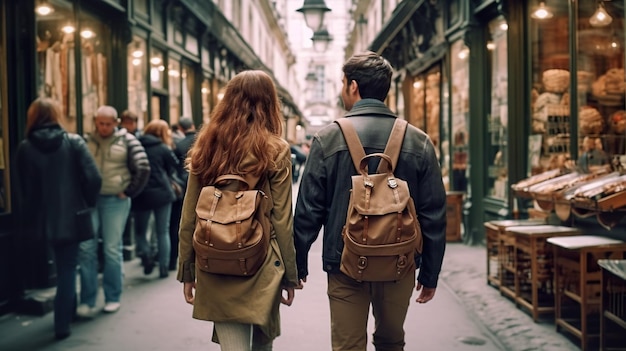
{"points": [[349, 311], [238, 337]]}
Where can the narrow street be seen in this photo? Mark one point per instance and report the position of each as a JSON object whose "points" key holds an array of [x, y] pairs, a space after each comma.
{"points": [[465, 315]]}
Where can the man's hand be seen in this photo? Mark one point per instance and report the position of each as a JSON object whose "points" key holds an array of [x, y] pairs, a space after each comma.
{"points": [[291, 293], [426, 295], [188, 290], [122, 195]]}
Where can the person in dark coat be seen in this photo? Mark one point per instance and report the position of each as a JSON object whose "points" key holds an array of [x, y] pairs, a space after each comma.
{"points": [[57, 179], [180, 150], [156, 197]]}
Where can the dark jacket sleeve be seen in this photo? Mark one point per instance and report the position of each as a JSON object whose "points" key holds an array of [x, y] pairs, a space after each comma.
{"points": [[90, 178], [311, 212], [138, 165], [431, 213]]}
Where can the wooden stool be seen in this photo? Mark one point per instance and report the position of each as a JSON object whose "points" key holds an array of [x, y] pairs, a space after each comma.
{"points": [[577, 278], [533, 287], [494, 231], [613, 305]]}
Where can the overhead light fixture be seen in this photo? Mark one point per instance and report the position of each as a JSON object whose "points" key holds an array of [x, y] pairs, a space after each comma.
{"points": [[155, 60], [44, 8], [491, 46], [314, 11], [600, 18], [87, 34], [321, 39], [542, 12], [68, 29]]}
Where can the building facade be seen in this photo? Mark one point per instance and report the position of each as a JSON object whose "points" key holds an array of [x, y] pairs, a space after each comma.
{"points": [[490, 81], [162, 59]]}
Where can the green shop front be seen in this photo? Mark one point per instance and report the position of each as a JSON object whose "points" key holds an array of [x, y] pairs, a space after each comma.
{"points": [[491, 82], [160, 59]]}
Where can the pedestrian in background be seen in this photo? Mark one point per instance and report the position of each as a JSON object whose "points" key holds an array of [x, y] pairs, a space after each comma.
{"points": [[180, 150], [57, 179], [124, 168], [157, 197], [323, 201], [242, 138], [130, 121]]}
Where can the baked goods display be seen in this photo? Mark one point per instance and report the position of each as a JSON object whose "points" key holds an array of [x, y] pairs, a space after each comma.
{"points": [[555, 80], [525, 184], [618, 122], [590, 121], [609, 88]]}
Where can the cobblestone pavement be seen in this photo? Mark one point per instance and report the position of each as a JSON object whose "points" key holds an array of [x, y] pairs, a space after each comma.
{"points": [[464, 271]]}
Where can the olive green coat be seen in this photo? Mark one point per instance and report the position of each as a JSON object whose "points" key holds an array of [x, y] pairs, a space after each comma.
{"points": [[255, 299]]}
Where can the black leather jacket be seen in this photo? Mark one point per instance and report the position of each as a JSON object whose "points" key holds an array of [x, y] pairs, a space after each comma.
{"points": [[325, 188]]}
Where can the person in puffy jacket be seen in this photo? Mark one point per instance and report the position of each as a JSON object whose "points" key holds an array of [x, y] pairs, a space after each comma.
{"points": [[124, 168], [57, 179], [157, 197]]}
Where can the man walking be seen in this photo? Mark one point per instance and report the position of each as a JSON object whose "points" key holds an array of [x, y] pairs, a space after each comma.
{"points": [[180, 150], [124, 167], [323, 201]]}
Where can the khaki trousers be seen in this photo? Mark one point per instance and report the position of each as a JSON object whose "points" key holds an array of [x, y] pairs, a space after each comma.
{"points": [[350, 301]]}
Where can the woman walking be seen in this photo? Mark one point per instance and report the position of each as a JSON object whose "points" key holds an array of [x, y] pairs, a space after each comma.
{"points": [[58, 185], [242, 138], [157, 197]]}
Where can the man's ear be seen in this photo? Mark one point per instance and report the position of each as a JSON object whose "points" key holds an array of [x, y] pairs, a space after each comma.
{"points": [[353, 88]]}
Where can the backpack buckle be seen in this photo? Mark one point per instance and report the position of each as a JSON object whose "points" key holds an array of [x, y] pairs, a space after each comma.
{"points": [[362, 263], [392, 183], [402, 261], [368, 183]]}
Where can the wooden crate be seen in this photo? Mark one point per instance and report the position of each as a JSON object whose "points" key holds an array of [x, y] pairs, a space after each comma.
{"points": [[454, 215]]}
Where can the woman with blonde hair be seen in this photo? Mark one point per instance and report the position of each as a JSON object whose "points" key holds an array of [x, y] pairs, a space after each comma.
{"points": [[156, 198], [243, 137], [58, 182]]}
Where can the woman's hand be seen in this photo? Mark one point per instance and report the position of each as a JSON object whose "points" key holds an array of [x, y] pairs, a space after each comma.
{"points": [[291, 293], [188, 291]]}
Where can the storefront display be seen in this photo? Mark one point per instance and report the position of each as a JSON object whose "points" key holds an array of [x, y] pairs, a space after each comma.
{"points": [[497, 123], [459, 55], [138, 80], [599, 91], [174, 88], [58, 69]]}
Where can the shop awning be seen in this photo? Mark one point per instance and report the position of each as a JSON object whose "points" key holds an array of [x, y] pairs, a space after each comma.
{"points": [[399, 18]]}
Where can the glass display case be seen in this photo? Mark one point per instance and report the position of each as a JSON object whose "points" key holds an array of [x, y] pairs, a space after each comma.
{"points": [[601, 87], [426, 104], [497, 119], [459, 99], [600, 117]]}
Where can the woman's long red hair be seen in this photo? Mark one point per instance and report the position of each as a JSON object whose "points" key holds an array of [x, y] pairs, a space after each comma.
{"points": [[246, 121]]}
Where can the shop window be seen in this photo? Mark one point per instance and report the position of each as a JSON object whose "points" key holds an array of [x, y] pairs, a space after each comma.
{"points": [[93, 61], [497, 119], [206, 100], [549, 142], [138, 79], [157, 68], [601, 87], [188, 82], [459, 100], [174, 88], [426, 104], [56, 59]]}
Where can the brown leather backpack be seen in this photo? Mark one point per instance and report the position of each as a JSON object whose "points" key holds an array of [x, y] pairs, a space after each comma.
{"points": [[382, 233], [232, 232]]}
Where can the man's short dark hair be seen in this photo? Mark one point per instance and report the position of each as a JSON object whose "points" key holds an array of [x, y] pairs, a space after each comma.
{"points": [[185, 123], [371, 72], [129, 115]]}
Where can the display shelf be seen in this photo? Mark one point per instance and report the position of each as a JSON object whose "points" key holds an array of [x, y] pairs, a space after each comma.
{"points": [[496, 243], [526, 257], [577, 277], [613, 305]]}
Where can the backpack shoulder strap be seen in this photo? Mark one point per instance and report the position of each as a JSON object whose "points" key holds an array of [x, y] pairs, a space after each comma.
{"points": [[352, 140], [394, 143]]}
